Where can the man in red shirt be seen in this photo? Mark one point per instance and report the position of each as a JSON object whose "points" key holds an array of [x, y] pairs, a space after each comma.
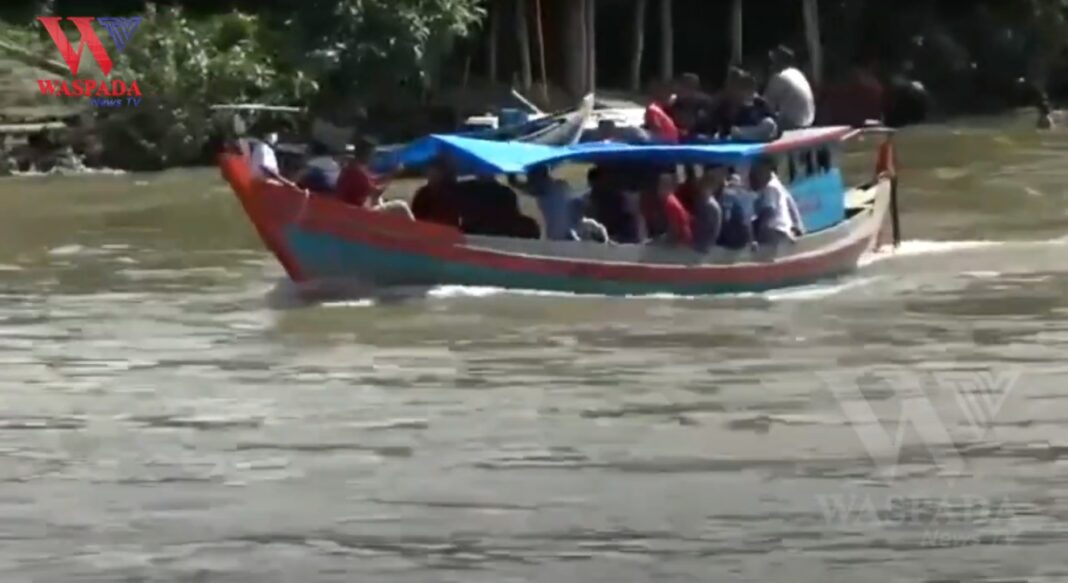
{"points": [[657, 120], [679, 221], [356, 185]]}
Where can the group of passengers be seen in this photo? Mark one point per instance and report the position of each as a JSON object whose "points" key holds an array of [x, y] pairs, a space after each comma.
{"points": [[686, 114], [624, 204]]}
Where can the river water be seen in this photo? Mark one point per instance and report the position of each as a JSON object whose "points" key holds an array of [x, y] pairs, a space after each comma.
{"points": [[172, 412]]}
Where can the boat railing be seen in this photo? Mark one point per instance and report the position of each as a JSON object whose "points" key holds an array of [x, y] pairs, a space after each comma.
{"points": [[885, 169]]}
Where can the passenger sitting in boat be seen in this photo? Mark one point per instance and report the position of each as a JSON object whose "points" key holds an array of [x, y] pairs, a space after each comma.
{"points": [[788, 92], [555, 200], [736, 205], [492, 209], [355, 184], [653, 218], [437, 201], [706, 212], [607, 205], [777, 217], [321, 171], [743, 114], [358, 186], [691, 107], [679, 222], [262, 160], [690, 189], [658, 121]]}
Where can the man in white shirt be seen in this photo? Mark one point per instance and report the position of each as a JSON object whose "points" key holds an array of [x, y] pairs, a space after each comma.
{"points": [[789, 92], [263, 163], [778, 219]]}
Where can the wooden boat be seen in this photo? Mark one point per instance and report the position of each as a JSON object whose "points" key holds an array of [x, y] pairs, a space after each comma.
{"points": [[318, 239]]}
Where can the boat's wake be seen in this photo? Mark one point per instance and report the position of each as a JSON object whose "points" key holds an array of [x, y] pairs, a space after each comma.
{"points": [[922, 247]]}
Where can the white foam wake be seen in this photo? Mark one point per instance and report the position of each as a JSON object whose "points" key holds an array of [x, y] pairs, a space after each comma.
{"points": [[917, 248]]}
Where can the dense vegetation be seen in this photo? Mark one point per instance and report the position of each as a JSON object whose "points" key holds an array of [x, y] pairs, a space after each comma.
{"points": [[336, 54]]}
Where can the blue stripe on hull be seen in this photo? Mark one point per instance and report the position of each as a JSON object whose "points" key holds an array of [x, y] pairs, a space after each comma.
{"points": [[326, 257]]}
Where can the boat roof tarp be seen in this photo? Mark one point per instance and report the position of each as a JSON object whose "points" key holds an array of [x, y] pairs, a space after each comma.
{"points": [[477, 156]]}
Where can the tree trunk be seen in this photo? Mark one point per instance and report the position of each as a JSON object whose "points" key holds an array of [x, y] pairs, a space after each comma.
{"points": [[812, 35], [737, 23], [640, 7], [526, 72], [541, 54], [491, 45], [575, 47], [667, 41], [591, 45]]}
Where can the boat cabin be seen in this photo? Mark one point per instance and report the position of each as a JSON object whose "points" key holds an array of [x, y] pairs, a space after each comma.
{"points": [[808, 162]]}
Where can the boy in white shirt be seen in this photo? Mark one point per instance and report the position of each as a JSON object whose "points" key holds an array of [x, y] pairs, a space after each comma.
{"points": [[789, 93], [778, 219]]}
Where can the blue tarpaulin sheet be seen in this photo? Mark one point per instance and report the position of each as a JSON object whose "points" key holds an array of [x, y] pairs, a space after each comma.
{"points": [[476, 156]]}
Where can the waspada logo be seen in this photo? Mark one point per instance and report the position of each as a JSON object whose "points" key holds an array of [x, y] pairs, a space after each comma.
{"points": [[111, 92]]}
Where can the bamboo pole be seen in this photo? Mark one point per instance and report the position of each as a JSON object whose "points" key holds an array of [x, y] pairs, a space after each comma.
{"points": [[541, 54], [523, 36], [640, 9], [667, 41]]}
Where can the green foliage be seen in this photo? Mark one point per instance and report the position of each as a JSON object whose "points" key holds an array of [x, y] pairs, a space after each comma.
{"points": [[363, 49], [373, 48], [182, 67]]}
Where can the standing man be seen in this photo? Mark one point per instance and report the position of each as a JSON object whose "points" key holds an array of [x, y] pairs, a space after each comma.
{"points": [[789, 92]]}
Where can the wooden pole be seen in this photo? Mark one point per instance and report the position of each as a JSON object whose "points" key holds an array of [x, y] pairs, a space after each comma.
{"points": [[812, 35], [591, 40], [640, 8], [541, 54], [491, 46], [736, 33], [526, 73], [667, 41]]}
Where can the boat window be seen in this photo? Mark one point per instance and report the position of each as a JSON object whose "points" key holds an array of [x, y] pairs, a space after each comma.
{"points": [[823, 156], [810, 163]]}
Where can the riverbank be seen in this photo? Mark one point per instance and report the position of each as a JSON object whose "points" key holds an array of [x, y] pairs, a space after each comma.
{"points": [[438, 63]]}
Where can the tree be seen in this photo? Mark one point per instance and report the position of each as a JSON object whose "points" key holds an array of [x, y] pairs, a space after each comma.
{"points": [[376, 48]]}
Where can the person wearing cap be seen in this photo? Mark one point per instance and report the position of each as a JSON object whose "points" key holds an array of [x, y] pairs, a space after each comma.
{"points": [[788, 92]]}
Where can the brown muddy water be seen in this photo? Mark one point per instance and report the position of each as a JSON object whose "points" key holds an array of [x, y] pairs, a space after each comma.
{"points": [[171, 413]]}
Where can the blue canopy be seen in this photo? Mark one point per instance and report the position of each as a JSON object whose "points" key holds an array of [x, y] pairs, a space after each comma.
{"points": [[477, 156]]}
